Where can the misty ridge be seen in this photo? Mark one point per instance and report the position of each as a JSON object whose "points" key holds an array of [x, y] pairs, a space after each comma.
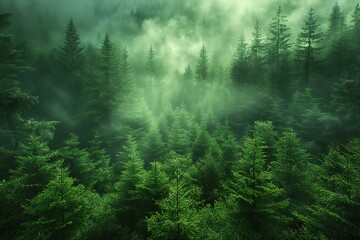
{"points": [[160, 119]]}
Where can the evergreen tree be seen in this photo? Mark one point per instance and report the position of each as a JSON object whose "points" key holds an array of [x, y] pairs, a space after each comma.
{"points": [[355, 18], [34, 170], [60, 211], [292, 175], [337, 195], [201, 144], [72, 60], [239, 66], [77, 160], [103, 175], [279, 37], [125, 70], [152, 68], [256, 55], [105, 92], [155, 186], [255, 199], [14, 100], [279, 54], [338, 55], [153, 145], [202, 66], [346, 102], [129, 198], [266, 132], [178, 217], [108, 62], [308, 48], [355, 37], [336, 22]]}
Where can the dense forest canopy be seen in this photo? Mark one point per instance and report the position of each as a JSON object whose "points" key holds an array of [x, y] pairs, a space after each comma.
{"points": [[161, 119]]}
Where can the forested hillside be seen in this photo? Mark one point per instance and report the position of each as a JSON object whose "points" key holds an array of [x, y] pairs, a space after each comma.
{"points": [[99, 143]]}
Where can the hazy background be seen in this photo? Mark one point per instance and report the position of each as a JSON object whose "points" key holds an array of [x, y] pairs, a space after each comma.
{"points": [[175, 28]]}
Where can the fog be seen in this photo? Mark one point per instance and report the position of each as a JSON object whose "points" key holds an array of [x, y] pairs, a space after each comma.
{"points": [[176, 29]]}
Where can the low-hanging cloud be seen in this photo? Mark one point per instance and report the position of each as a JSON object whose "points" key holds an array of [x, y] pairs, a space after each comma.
{"points": [[176, 29]]}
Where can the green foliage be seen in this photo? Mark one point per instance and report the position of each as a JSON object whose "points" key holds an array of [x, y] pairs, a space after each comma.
{"points": [[60, 211], [337, 195], [239, 66], [71, 57], [202, 66], [13, 99], [103, 174], [235, 150], [291, 173], [256, 199], [129, 199], [257, 54], [153, 145], [178, 217], [155, 186], [308, 48], [77, 160]]}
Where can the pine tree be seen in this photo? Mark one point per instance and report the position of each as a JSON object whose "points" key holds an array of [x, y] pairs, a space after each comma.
{"points": [[35, 169], [309, 48], [14, 100], [355, 20], [266, 132], [202, 66], [77, 160], [125, 69], [178, 217], [336, 22], [72, 60], [338, 56], [256, 200], [155, 186], [279, 37], [292, 175], [103, 175], [239, 66], [60, 211], [153, 146], [279, 54], [152, 68], [337, 195], [108, 62], [256, 54], [129, 198], [355, 36], [201, 144]]}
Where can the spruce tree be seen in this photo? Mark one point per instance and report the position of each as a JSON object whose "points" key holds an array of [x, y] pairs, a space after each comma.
{"points": [[291, 173], [338, 53], [60, 211], [279, 55], [72, 60], [239, 66], [14, 100], [152, 68], [178, 217], [202, 66], [108, 62], [77, 160], [129, 198], [35, 169], [256, 201], [309, 48], [334, 213], [257, 54]]}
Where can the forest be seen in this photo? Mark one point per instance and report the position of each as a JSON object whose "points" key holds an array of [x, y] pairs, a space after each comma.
{"points": [[173, 123]]}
